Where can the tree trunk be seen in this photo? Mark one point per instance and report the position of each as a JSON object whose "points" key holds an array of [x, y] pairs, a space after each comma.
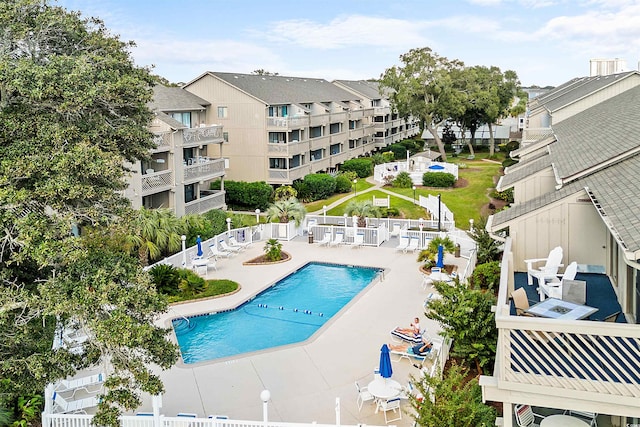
{"points": [[473, 140], [491, 141], [434, 132]]}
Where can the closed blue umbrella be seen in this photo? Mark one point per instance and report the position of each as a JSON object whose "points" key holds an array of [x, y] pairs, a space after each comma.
{"points": [[440, 260], [199, 243], [385, 362]]}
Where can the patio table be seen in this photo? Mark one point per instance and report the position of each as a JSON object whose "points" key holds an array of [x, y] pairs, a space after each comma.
{"points": [[384, 388], [562, 421], [559, 309]]}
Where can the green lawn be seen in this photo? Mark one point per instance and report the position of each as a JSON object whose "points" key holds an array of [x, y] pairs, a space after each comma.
{"points": [[407, 208], [318, 204]]}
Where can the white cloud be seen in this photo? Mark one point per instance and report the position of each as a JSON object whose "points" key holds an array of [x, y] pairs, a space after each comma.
{"points": [[346, 31]]}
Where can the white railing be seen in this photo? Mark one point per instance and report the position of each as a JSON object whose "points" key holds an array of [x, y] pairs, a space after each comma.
{"points": [[204, 169], [437, 209], [155, 181], [203, 134], [162, 140], [391, 170], [76, 420], [205, 204]]}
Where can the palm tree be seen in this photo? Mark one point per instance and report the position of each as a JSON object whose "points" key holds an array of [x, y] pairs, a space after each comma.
{"points": [[286, 210], [153, 231], [362, 209]]}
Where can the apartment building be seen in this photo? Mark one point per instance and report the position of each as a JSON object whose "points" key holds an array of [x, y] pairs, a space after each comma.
{"points": [[187, 156], [575, 187], [279, 129]]}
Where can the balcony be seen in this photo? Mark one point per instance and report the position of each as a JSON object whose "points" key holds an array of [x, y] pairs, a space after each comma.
{"points": [[287, 123], [162, 141], [319, 142], [287, 176], [565, 364], [319, 120], [339, 117], [156, 182], [289, 150], [202, 135], [208, 200], [204, 169]]}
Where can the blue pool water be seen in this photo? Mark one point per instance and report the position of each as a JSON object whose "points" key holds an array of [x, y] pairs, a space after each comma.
{"points": [[289, 312]]}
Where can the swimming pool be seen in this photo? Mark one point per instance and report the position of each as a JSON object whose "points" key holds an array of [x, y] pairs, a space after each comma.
{"points": [[290, 311]]}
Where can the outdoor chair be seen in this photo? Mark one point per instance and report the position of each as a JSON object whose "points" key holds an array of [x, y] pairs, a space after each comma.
{"points": [[553, 286], [404, 242], [215, 252], [612, 317], [395, 231], [390, 405], [61, 405], [590, 417], [338, 240], [326, 240], [525, 417], [549, 270], [358, 240], [234, 243], [413, 245], [225, 247], [363, 396], [91, 384], [521, 302]]}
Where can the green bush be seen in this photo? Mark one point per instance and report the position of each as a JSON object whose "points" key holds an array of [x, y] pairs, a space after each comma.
{"points": [[273, 250], [388, 157], [506, 195], [190, 283], [402, 180], [320, 185], [362, 166], [166, 278], [304, 194], [249, 195], [509, 162], [486, 276], [343, 183], [389, 212], [438, 179], [285, 192]]}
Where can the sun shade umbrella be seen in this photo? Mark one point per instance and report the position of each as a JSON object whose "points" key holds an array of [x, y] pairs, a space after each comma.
{"points": [[385, 362], [440, 261], [199, 243]]}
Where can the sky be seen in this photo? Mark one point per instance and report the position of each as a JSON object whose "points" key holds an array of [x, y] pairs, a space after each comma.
{"points": [[546, 42]]}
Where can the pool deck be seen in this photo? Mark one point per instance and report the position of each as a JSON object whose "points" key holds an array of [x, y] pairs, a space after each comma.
{"points": [[306, 378]]}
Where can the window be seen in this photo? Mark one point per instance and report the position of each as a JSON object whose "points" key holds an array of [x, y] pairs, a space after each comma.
{"points": [[278, 111], [184, 118], [277, 163], [277, 137], [225, 136], [189, 193], [223, 112]]}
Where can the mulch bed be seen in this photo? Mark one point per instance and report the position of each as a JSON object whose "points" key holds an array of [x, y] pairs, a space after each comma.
{"points": [[262, 260]]}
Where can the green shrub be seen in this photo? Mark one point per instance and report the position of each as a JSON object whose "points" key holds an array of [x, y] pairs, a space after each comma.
{"points": [[388, 157], [509, 162], [190, 283], [506, 195], [363, 167], [438, 179], [389, 212], [403, 180], [250, 195], [343, 183], [320, 185], [285, 192], [486, 276], [166, 278], [273, 250], [304, 194]]}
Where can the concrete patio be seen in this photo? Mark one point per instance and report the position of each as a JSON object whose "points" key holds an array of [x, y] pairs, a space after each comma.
{"points": [[305, 378]]}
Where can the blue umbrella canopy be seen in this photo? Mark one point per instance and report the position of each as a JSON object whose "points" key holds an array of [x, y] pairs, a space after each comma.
{"points": [[440, 260], [436, 167], [199, 243], [385, 362]]}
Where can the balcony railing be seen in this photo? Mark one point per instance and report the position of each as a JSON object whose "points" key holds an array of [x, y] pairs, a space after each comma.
{"points": [[205, 203], [205, 169], [162, 140], [156, 182], [203, 135], [278, 176]]}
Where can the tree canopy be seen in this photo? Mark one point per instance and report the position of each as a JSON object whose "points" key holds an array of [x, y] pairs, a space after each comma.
{"points": [[73, 108]]}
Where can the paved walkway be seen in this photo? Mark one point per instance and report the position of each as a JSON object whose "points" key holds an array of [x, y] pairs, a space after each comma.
{"points": [[306, 378]]}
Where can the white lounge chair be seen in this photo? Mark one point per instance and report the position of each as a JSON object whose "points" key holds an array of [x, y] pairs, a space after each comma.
{"points": [[338, 240], [325, 240], [395, 231], [553, 286], [358, 240], [234, 243], [215, 252], [225, 247], [91, 384], [61, 405], [414, 242], [549, 270], [404, 242]]}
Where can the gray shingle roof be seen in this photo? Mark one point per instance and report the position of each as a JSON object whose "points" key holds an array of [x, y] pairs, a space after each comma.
{"points": [[615, 188], [368, 89], [169, 120], [590, 86], [597, 134], [522, 170], [176, 99], [275, 90]]}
